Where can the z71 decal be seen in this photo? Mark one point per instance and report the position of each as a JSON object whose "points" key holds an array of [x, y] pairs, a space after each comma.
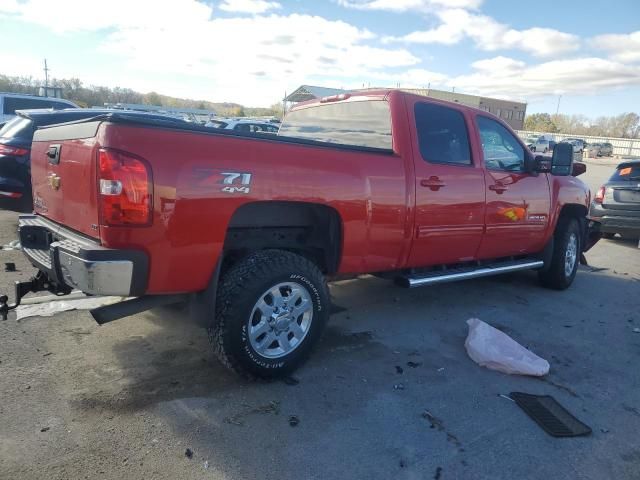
{"points": [[227, 182], [236, 182]]}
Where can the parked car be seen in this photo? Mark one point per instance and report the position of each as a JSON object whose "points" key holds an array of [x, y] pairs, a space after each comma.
{"points": [[616, 205], [543, 145], [10, 102], [578, 144], [248, 126], [606, 149], [530, 142], [248, 227], [592, 150], [15, 147]]}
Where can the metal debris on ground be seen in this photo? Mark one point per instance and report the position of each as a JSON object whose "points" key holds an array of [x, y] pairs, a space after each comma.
{"points": [[552, 417], [493, 349], [12, 245], [294, 420], [188, 453]]}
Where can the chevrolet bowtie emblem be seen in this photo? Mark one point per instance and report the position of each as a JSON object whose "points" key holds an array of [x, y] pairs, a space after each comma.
{"points": [[54, 181]]}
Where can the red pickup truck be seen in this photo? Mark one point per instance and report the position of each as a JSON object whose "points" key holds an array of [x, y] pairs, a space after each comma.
{"points": [[248, 227]]}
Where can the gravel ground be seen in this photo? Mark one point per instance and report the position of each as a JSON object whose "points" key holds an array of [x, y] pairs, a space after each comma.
{"points": [[126, 400]]}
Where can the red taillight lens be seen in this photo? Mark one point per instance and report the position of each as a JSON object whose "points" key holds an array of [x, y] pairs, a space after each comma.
{"points": [[125, 189], [599, 198], [9, 150]]}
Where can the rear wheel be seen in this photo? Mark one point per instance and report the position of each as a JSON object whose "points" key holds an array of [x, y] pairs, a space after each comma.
{"points": [[565, 258], [271, 310]]}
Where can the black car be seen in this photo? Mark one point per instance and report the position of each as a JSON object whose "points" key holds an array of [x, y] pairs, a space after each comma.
{"points": [[616, 205], [15, 147]]}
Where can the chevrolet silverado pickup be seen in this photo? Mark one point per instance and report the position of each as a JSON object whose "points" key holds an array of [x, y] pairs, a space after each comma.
{"points": [[249, 227]]}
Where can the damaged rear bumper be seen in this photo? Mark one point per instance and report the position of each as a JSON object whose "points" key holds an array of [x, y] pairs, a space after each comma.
{"points": [[71, 261]]}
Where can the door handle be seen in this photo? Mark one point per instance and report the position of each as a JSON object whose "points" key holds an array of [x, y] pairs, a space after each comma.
{"points": [[434, 183], [498, 188]]}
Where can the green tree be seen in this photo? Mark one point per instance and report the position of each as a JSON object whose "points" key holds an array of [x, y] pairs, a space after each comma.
{"points": [[540, 122]]}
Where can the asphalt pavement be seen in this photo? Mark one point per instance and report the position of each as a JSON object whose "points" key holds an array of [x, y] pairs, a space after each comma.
{"points": [[128, 399]]}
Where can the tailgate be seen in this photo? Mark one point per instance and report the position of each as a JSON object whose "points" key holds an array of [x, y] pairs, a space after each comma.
{"points": [[63, 175]]}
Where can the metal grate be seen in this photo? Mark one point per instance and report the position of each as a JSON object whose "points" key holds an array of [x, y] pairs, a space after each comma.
{"points": [[552, 417]]}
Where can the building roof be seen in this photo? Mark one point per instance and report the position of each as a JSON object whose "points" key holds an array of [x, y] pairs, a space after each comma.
{"points": [[310, 92]]}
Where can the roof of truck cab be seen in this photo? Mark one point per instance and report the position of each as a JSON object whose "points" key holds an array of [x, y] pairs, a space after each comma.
{"points": [[382, 94]]}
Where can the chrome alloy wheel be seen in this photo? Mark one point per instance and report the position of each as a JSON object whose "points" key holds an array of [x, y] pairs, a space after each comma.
{"points": [[571, 255], [280, 320]]}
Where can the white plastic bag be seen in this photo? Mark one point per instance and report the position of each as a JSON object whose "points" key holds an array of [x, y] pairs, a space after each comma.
{"points": [[491, 348]]}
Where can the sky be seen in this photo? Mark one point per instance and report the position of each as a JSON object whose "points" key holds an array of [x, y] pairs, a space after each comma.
{"points": [[585, 54]]}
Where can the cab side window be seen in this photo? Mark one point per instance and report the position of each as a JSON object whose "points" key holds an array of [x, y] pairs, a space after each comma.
{"points": [[442, 134], [501, 149]]}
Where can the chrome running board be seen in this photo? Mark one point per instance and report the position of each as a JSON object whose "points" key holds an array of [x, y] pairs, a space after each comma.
{"points": [[467, 273]]}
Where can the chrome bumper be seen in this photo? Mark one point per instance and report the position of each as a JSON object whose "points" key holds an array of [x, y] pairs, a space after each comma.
{"points": [[77, 262]]}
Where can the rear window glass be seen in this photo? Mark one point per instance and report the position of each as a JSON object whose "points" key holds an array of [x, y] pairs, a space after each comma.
{"points": [[442, 134], [626, 172], [360, 123], [17, 127], [11, 104]]}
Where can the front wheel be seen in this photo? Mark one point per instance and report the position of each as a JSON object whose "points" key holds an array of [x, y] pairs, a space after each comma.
{"points": [[566, 253], [271, 310]]}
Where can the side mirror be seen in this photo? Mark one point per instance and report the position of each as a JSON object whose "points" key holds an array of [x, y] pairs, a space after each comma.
{"points": [[542, 164], [578, 169], [562, 159]]}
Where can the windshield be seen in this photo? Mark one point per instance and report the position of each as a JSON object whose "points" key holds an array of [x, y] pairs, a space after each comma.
{"points": [[626, 172], [17, 127]]}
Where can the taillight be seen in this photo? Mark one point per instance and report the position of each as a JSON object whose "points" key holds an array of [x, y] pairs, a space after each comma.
{"points": [[10, 150], [125, 189], [599, 198]]}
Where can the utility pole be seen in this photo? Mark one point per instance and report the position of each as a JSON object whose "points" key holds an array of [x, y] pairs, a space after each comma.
{"points": [[46, 78], [558, 107]]}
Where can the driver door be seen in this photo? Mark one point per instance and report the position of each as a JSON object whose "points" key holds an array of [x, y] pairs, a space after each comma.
{"points": [[518, 202]]}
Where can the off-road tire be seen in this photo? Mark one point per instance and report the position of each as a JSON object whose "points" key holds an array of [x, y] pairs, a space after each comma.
{"points": [[555, 276], [239, 289]]}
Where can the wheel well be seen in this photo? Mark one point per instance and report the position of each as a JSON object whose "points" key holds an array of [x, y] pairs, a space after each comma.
{"points": [[579, 212], [308, 229], [574, 210]]}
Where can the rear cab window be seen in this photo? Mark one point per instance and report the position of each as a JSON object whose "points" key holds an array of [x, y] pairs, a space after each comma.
{"points": [[626, 172], [363, 123]]}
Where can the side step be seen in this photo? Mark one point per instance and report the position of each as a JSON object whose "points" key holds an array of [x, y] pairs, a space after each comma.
{"points": [[466, 273]]}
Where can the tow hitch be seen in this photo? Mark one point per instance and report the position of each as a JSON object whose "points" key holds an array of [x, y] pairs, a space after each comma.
{"points": [[37, 284]]}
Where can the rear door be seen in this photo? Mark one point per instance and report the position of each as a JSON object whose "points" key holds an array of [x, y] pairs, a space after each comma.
{"points": [[623, 190], [63, 172], [450, 189]]}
